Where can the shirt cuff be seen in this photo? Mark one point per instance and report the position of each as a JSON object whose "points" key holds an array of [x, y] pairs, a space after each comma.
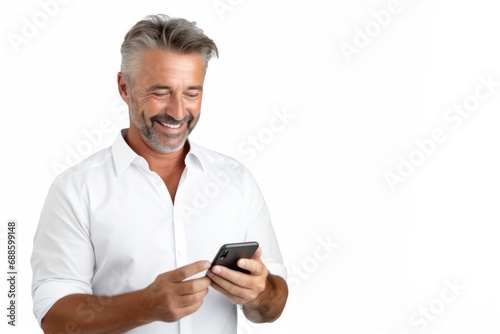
{"points": [[276, 268], [50, 291]]}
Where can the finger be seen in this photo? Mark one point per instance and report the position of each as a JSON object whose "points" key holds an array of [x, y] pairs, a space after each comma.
{"points": [[218, 288], [191, 299], [257, 254], [226, 277], [180, 274], [193, 286], [256, 266], [182, 311], [233, 295]]}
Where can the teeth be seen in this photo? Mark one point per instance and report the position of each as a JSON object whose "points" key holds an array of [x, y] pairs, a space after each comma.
{"points": [[171, 126]]}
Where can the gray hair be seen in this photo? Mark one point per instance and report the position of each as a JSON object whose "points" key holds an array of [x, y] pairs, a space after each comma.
{"points": [[160, 32]]}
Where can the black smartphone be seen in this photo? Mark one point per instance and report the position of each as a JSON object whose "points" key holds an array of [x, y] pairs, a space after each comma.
{"points": [[229, 254]]}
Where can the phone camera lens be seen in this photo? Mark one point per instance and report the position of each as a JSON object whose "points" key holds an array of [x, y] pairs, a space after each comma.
{"points": [[224, 254]]}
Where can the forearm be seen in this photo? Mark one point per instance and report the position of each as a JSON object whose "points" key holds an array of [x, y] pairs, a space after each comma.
{"points": [[270, 303], [89, 314]]}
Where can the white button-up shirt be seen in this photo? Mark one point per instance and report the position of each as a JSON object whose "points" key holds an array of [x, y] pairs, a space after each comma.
{"points": [[109, 227]]}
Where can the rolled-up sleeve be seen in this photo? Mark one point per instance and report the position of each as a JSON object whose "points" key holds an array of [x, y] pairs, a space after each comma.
{"points": [[62, 259]]}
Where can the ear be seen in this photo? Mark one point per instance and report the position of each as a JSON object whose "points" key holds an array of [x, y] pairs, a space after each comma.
{"points": [[123, 88]]}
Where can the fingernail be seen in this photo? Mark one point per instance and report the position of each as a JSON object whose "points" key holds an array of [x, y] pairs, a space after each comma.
{"points": [[216, 270]]}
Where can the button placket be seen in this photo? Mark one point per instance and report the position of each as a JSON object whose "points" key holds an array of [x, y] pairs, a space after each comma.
{"points": [[179, 228]]}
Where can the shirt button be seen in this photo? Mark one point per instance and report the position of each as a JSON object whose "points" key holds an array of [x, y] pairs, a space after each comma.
{"points": [[158, 183], [179, 252]]}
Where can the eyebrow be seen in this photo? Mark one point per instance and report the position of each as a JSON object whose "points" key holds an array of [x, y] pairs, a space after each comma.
{"points": [[156, 87]]}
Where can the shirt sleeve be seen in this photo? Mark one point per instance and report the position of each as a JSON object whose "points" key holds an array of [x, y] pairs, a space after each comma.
{"points": [[261, 229], [62, 259]]}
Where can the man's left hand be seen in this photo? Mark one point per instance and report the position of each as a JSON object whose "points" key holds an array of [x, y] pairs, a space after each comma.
{"points": [[239, 287]]}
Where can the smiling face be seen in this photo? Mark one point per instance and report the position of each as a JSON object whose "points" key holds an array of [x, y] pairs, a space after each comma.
{"points": [[164, 99]]}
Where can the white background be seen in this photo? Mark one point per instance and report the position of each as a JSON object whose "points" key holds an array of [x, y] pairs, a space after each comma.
{"points": [[363, 257]]}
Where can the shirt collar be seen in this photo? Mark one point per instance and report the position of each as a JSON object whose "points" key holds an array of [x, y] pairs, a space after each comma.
{"points": [[194, 157], [124, 156]]}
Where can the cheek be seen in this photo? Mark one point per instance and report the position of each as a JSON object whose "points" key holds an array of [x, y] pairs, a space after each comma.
{"points": [[195, 113], [150, 107], [194, 107], [194, 121]]}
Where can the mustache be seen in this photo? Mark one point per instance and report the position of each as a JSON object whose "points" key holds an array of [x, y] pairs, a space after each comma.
{"points": [[164, 118]]}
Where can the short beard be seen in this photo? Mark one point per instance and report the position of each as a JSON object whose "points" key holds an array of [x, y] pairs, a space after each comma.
{"points": [[157, 140]]}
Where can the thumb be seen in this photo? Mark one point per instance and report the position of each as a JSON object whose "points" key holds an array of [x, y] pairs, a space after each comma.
{"points": [[257, 254]]}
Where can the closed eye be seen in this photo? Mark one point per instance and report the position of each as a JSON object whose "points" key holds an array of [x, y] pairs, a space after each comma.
{"points": [[160, 94], [192, 94]]}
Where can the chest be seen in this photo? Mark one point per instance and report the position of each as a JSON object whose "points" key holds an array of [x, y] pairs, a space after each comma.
{"points": [[135, 226], [171, 179]]}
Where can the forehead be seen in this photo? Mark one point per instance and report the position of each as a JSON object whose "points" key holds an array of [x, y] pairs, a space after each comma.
{"points": [[156, 66]]}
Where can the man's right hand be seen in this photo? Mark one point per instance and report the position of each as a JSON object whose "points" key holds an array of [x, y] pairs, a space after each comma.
{"points": [[171, 297]]}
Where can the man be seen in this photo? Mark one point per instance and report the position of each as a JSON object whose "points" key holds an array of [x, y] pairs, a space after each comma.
{"points": [[123, 235]]}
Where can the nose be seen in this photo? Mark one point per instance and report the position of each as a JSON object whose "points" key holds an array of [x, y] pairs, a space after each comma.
{"points": [[176, 107]]}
